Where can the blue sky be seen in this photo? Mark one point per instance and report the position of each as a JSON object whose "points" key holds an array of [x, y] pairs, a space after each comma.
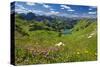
{"points": [[56, 9]]}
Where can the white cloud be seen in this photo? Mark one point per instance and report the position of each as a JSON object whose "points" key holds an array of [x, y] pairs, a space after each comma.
{"points": [[90, 8], [92, 12], [52, 13], [29, 10], [21, 11], [51, 9], [36, 11], [30, 3], [46, 6], [20, 7], [64, 6], [70, 10]]}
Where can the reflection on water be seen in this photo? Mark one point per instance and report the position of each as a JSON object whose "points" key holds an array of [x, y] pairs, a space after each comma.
{"points": [[66, 31]]}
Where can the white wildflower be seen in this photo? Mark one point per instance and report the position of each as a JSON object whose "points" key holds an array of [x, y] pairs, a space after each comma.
{"points": [[93, 33], [89, 36]]}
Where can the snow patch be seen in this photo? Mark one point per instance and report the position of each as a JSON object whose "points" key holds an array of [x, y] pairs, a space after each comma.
{"points": [[60, 44]]}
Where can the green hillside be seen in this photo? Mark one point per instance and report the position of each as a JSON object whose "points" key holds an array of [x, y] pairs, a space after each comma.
{"points": [[36, 42]]}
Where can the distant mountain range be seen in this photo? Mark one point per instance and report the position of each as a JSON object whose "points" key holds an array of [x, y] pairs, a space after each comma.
{"points": [[32, 16]]}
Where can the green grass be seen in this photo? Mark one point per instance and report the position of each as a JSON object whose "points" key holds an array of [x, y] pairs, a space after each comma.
{"points": [[39, 47]]}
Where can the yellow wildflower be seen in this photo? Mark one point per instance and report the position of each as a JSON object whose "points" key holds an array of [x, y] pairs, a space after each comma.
{"points": [[78, 52], [95, 53]]}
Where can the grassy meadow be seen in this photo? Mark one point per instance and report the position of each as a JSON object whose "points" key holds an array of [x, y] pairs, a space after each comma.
{"points": [[37, 42]]}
